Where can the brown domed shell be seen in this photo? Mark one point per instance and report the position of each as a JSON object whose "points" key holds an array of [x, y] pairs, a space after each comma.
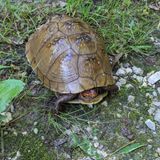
{"points": [[68, 56]]}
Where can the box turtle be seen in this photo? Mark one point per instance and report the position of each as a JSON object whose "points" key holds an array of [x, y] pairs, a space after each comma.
{"points": [[69, 58]]}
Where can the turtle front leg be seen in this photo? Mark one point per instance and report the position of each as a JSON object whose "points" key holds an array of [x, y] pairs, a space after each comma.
{"points": [[63, 99]]}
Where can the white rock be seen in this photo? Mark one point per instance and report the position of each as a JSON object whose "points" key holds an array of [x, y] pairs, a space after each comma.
{"points": [[8, 117], [104, 103], [154, 93], [118, 84], [151, 110], [35, 130], [24, 133], [121, 72], [137, 70], [128, 70], [42, 137], [131, 98], [158, 89], [156, 103], [35, 123], [150, 124], [154, 78], [96, 144], [157, 116], [158, 151], [122, 81]]}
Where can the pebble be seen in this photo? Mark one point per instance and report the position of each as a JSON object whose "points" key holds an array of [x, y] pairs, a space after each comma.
{"points": [[24, 133], [154, 94], [131, 98], [157, 116], [121, 72], [156, 103], [154, 78], [158, 89], [137, 70], [158, 151], [151, 110], [150, 124], [35, 130], [96, 144], [122, 81], [104, 103], [8, 117], [128, 70]]}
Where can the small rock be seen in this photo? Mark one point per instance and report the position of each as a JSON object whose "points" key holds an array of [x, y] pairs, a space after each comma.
{"points": [[126, 65], [158, 151], [15, 133], [105, 104], [151, 110], [149, 146], [95, 138], [154, 78], [59, 142], [42, 138], [137, 70], [157, 116], [8, 117], [90, 105], [35, 130], [122, 81], [121, 72], [96, 144], [154, 94], [158, 89], [150, 124], [157, 104], [24, 133], [128, 70], [131, 98], [144, 84], [35, 123]]}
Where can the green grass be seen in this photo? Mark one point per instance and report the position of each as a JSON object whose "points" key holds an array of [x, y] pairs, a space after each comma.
{"points": [[126, 28]]}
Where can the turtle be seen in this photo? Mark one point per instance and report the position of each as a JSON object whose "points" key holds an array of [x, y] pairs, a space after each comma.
{"points": [[69, 58]]}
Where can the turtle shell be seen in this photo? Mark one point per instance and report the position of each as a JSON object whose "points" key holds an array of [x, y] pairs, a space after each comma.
{"points": [[68, 56]]}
